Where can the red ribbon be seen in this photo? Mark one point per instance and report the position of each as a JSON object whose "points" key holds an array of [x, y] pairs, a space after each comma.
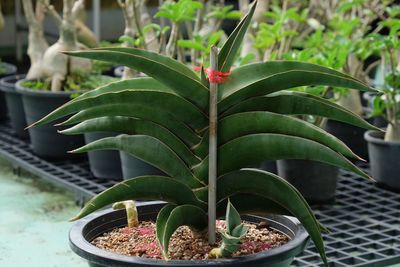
{"points": [[214, 76]]}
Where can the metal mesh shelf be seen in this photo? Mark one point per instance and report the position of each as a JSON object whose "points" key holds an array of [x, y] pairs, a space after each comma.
{"points": [[364, 220]]}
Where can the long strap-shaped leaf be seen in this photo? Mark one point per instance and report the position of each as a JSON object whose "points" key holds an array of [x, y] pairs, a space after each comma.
{"points": [[189, 215], [299, 103], [253, 149], [240, 124], [142, 83], [159, 67], [134, 126], [273, 187], [183, 110], [144, 112], [150, 150], [227, 55], [287, 80], [248, 74], [143, 188]]}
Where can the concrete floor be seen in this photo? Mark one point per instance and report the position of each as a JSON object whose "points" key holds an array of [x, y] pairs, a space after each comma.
{"points": [[34, 222]]}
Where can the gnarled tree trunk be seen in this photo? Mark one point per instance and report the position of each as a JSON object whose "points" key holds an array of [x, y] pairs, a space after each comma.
{"points": [[37, 44], [56, 64]]}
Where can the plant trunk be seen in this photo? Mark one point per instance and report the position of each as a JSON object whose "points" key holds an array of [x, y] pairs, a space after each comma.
{"points": [[352, 102], [392, 133], [130, 31], [150, 36], [171, 46], [37, 44], [84, 34], [1, 19]]}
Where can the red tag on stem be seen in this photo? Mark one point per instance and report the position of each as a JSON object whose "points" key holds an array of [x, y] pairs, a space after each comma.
{"points": [[215, 76]]}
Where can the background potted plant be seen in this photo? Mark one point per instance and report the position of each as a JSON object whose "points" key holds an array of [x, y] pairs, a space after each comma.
{"points": [[53, 77], [5, 70], [384, 148], [173, 126]]}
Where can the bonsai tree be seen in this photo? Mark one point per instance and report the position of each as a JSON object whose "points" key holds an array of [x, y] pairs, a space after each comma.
{"points": [[204, 132], [48, 62]]}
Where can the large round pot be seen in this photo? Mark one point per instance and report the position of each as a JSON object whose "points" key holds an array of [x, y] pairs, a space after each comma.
{"points": [[104, 164], [96, 224], [9, 70], [352, 136], [15, 106], [46, 141], [384, 159], [134, 167], [316, 181]]}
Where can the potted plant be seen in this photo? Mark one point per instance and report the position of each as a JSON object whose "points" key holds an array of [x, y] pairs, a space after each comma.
{"points": [[5, 70], [54, 78], [384, 148], [173, 125]]}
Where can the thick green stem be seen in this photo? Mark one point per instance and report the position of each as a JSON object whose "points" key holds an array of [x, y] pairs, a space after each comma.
{"points": [[212, 171], [131, 211]]}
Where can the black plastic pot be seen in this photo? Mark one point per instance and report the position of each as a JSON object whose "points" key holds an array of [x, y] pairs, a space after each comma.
{"points": [[14, 103], [95, 225], [104, 164], [352, 136], [316, 181], [269, 166], [46, 141], [133, 167], [384, 160], [10, 70]]}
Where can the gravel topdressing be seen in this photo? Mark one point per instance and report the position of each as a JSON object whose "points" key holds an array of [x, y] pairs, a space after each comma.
{"points": [[184, 245]]}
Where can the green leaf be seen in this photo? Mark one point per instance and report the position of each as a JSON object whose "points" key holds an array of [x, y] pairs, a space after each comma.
{"points": [[168, 71], [188, 215], [232, 218], [150, 150], [299, 103], [246, 75], [142, 83], [182, 109], [253, 149], [143, 188], [240, 124], [286, 80], [161, 222], [133, 126], [227, 55], [270, 186]]}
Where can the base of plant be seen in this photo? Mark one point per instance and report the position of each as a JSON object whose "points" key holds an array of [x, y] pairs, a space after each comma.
{"points": [[141, 241], [94, 226]]}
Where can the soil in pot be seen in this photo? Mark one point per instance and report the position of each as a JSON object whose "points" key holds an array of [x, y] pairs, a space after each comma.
{"points": [[15, 106], [5, 70], [352, 136], [133, 167], [38, 101], [141, 241], [316, 181], [104, 164], [384, 160]]}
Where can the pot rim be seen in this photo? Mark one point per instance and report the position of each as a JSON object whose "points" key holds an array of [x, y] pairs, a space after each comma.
{"points": [[11, 68], [376, 137], [7, 86], [83, 248], [34, 92]]}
